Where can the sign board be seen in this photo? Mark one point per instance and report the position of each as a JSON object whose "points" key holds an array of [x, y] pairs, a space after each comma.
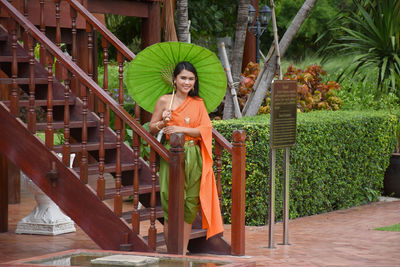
{"points": [[283, 113]]}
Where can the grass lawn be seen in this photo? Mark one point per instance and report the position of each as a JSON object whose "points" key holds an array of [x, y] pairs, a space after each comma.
{"points": [[393, 228]]}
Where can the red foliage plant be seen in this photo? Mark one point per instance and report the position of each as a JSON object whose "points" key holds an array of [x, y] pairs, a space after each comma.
{"points": [[246, 86], [312, 92]]}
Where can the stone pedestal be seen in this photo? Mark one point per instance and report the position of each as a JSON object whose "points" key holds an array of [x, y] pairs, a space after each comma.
{"points": [[46, 218]]}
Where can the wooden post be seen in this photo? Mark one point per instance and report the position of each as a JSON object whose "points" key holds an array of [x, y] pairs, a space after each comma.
{"points": [[151, 27], [3, 194], [249, 52], [176, 194], [238, 192], [14, 183]]}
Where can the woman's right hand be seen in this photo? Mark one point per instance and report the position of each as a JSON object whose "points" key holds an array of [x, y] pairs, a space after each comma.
{"points": [[166, 116]]}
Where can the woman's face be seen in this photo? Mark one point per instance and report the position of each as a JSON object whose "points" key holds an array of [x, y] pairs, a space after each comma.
{"points": [[185, 81]]}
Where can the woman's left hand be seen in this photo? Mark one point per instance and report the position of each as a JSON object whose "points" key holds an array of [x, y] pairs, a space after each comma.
{"points": [[174, 129]]}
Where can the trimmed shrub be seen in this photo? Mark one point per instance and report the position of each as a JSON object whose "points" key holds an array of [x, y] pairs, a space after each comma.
{"points": [[338, 162]]}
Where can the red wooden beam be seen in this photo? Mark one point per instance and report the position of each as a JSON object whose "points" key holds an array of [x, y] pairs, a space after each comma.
{"points": [[3, 194]]}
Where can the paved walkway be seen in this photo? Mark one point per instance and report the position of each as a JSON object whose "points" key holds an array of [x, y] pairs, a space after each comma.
{"points": [[340, 238]]}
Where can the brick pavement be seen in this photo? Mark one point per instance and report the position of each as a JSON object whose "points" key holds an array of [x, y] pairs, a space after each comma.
{"points": [[340, 238]]}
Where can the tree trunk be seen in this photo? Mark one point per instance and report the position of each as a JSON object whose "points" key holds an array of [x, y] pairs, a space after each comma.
{"points": [[237, 54], [256, 98], [182, 20], [169, 26]]}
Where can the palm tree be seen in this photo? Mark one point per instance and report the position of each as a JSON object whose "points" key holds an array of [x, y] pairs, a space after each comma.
{"points": [[182, 24], [373, 40]]}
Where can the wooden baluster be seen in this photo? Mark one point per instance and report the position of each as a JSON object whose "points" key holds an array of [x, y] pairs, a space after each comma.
{"points": [[238, 192], [42, 50], [101, 185], [31, 108], [104, 44], [137, 113], [84, 157], [58, 39], [25, 8], [14, 98], [118, 196], [89, 30], [218, 161], [176, 194], [74, 81], [49, 128], [120, 60], [66, 150], [136, 154], [152, 228]]}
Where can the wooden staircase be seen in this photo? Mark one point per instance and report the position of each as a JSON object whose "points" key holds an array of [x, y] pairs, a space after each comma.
{"points": [[54, 96]]}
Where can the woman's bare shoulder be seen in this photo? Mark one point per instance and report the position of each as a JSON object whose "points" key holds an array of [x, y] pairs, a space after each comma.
{"points": [[163, 100]]}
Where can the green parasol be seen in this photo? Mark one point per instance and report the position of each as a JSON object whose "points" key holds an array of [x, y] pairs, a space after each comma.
{"points": [[149, 75]]}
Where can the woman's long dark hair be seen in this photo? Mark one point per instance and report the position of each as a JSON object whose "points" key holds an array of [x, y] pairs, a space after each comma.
{"points": [[185, 65]]}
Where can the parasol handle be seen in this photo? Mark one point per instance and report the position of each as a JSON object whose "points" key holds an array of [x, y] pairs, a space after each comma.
{"points": [[172, 100]]}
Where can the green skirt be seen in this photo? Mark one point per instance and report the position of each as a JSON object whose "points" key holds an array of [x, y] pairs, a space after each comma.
{"points": [[193, 169]]}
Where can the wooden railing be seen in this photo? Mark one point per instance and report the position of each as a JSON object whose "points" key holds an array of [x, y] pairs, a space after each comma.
{"points": [[97, 98], [51, 52]]}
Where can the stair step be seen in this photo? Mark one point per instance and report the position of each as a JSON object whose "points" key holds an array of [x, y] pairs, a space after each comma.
{"points": [[3, 36], [41, 126], [90, 146], [108, 168], [41, 102], [24, 58], [37, 80], [160, 241], [144, 214], [128, 191]]}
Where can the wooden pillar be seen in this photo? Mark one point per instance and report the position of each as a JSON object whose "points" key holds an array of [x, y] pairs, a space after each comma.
{"points": [[151, 27], [238, 192], [249, 53], [12, 172], [14, 184], [3, 194], [151, 34], [176, 194]]}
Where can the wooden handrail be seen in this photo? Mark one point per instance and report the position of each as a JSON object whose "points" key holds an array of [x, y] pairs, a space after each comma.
{"points": [[85, 79], [125, 51], [222, 141]]}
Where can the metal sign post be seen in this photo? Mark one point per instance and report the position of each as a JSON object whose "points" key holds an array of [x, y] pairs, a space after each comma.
{"points": [[283, 135]]}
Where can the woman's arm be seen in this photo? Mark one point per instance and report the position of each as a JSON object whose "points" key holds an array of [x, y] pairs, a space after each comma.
{"points": [[193, 132], [160, 115]]}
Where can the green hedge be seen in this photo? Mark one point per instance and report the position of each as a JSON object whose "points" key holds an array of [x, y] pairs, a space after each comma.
{"points": [[338, 162]]}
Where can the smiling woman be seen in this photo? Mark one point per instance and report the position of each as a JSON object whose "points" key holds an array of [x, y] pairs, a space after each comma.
{"points": [[185, 112]]}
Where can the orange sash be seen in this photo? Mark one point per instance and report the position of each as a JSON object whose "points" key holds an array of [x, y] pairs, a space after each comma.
{"points": [[192, 113]]}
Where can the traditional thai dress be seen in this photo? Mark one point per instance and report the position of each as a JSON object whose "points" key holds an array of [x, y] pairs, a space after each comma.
{"points": [[200, 187]]}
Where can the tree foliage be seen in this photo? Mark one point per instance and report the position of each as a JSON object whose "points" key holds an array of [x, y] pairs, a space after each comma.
{"points": [[211, 19], [317, 23], [373, 40]]}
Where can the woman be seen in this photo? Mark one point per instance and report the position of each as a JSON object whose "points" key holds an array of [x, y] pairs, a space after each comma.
{"points": [[185, 112]]}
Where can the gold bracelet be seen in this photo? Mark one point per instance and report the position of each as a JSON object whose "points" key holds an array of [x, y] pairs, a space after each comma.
{"points": [[157, 126]]}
